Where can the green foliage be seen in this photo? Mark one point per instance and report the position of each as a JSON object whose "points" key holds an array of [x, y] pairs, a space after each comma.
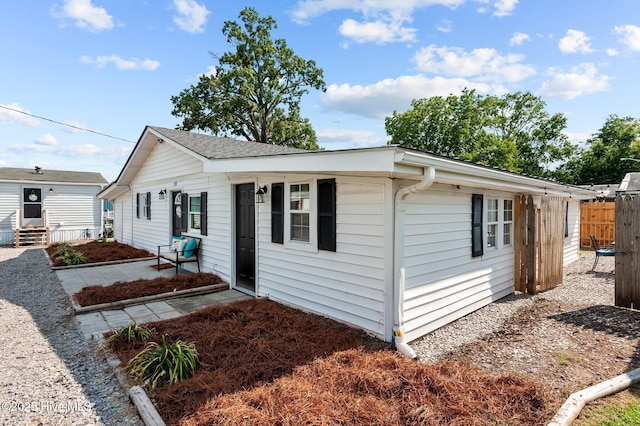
{"points": [[255, 91], [601, 160], [69, 254], [512, 132], [130, 333], [166, 362]]}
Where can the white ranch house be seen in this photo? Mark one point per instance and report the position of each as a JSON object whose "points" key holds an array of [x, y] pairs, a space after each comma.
{"points": [[390, 240], [42, 206]]}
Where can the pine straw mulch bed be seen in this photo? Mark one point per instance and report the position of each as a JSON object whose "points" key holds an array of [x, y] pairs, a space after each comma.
{"points": [[96, 294], [98, 251], [262, 363]]}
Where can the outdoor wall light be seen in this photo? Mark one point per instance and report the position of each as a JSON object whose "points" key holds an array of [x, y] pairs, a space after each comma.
{"points": [[260, 193], [50, 191], [161, 194]]}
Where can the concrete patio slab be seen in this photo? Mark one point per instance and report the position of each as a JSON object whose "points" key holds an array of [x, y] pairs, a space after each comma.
{"points": [[75, 279]]}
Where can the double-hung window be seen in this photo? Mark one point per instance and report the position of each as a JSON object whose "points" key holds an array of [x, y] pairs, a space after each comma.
{"points": [[299, 209], [497, 216], [194, 212]]}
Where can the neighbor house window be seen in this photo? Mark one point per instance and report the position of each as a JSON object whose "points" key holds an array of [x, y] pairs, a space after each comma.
{"points": [[299, 207], [194, 212]]}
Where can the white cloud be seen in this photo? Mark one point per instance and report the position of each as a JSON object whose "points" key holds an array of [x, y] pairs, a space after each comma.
{"points": [[121, 64], [446, 26], [575, 42], [518, 38], [349, 138], [380, 99], [612, 52], [14, 114], [581, 80], [46, 140], [376, 31], [383, 21], [630, 36], [484, 63], [191, 16], [504, 7], [86, 15]]}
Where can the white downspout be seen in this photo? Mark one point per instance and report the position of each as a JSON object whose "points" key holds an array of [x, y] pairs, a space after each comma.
{"points": [[428, 177]]}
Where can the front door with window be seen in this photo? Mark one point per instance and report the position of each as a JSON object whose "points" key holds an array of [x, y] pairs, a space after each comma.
{"points": [[32, 207], [245, 236], [176, 213]]}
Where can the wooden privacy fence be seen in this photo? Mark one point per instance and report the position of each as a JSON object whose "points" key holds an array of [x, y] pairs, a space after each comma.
{"points": [[538, 243], [627, 277], [597, 218]]}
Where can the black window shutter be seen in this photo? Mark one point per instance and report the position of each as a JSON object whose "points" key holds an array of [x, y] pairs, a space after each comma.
{"points": [[184, 207], [327, 214], [566, 220], [148, 205], [477, 247], [138, 205], [203, 213], [277, 213]]}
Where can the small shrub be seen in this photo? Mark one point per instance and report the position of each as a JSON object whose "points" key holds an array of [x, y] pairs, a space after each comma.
{"points": [[62, 249], [73, 258], [130, 333], [166, 362]]}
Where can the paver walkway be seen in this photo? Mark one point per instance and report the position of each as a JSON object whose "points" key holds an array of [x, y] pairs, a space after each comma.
{"points": [[73, 280]]}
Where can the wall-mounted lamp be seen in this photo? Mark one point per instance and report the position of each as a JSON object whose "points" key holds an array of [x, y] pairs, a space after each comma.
{"points": [[50, 191], [160, 140], [260, 193], [161, 194]]}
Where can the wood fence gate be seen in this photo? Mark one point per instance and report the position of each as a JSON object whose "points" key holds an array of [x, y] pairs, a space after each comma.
{"points": [[538, 243], [627, 277], [597, 218]]}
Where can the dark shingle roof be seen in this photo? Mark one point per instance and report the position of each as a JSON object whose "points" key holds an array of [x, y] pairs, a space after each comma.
{"points": [[215, 147], [15, 174]]}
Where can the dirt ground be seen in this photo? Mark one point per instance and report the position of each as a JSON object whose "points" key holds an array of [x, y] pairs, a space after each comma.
{"points": [[94, 295], [98, 251], [261, 363]]}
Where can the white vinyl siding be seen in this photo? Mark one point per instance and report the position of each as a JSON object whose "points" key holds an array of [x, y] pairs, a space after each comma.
{"points": [[348, 284], [70, 210], [9, 204], [169, 168], [572, 241], [443, 281]]}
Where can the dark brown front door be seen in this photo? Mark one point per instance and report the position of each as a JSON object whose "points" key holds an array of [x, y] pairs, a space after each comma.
{"points": [[245, 236], [176, 213]]}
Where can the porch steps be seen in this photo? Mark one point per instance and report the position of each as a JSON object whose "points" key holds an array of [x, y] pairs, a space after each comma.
{"points": [[32, 236]]}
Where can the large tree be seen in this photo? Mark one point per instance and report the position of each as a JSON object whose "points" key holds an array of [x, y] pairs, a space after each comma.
{"points": [[255, 91], [601, 160], [513, 131]]}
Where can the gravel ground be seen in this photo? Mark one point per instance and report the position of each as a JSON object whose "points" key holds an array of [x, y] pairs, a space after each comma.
{"points": [[50, 374], [580, 286]]}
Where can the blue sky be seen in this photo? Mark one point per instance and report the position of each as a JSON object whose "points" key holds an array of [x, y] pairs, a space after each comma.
{"points": [[111, 66]]}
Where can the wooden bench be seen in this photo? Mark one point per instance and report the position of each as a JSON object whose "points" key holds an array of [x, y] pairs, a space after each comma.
{"points": [[177, 257]]}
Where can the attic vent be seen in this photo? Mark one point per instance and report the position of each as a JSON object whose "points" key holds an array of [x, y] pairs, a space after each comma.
{"points": [[38, 170]]}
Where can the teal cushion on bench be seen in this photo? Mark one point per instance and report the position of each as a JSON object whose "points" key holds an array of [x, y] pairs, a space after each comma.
{"points": [[190, 247]]}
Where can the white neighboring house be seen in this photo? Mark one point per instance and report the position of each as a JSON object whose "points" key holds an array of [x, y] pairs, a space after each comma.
{"points": [[390, 240], [43, 206]]}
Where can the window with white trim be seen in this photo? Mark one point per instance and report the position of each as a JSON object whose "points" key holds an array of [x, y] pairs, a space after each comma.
{"points": [[492, 222], [507, 225], [194, 212], [299, 208]]}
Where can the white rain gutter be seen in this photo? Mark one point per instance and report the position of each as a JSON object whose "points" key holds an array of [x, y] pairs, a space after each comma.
{"points": [[428, 177]]}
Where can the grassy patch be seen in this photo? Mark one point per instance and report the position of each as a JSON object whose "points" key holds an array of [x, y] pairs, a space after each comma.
{"points": [[566, 357]]}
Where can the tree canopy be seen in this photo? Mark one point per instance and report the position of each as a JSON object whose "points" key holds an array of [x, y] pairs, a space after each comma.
{"points": [[255, 92], [601, 160], [513, 132]]}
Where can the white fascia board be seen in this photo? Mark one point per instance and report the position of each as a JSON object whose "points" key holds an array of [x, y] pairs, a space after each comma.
{"points": [[348, 161], [457, 172]]}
